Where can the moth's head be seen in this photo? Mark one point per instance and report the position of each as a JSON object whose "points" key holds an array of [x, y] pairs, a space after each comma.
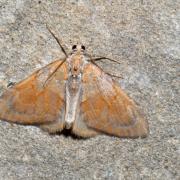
{"points": [[77, 48], [76, 60]]}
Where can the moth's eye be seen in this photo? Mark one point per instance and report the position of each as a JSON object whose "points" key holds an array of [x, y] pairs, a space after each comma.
{"points": [[74, 47], [83, 47]]}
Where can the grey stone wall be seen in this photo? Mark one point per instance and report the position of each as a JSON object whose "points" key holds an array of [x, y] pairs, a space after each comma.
{"points": [[145, 36]]}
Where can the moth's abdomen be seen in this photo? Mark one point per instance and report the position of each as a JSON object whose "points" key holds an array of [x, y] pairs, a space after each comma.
{"points": [[73, 89]]}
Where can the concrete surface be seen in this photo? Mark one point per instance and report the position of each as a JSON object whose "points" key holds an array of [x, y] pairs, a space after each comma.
{"points": [[145, 36]]}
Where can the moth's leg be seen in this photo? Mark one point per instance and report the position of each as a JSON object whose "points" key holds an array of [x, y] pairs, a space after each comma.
{"points": [[10, 84], [51, 75], [100, 58], [112, 75]]}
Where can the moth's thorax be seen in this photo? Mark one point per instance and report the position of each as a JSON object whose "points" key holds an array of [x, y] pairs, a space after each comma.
{"points": [[76, 63]]}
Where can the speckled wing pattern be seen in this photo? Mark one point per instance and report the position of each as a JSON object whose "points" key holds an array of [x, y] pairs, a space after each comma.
{"points": [[105, 108], [33, 102]]}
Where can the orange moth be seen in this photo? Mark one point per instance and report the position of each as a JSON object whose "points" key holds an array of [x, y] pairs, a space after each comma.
{"points": [[74, 94]]}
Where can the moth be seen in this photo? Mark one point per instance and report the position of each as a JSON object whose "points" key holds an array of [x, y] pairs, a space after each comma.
{"points": [[75, 94]]}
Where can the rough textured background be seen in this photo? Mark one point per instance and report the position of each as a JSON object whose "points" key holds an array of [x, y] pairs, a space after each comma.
{"points": [[145, 36]]}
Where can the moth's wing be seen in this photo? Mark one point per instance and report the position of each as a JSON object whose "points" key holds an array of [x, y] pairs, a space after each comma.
{"points": [[105, 108], [32, 101]]}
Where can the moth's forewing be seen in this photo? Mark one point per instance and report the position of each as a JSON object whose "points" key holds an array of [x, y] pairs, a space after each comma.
{"points": [[107, 109], [32, 101]]}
